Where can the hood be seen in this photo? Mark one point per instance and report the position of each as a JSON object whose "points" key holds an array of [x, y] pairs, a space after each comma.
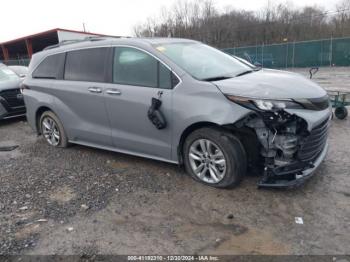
{"points": [[271, 84], [10, 84]]}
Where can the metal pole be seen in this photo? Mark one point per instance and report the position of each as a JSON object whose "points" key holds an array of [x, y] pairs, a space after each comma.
{"points": [[287, 56], [256, 49], [322, 43], [262, 55], [293, 54], [330, 51]]}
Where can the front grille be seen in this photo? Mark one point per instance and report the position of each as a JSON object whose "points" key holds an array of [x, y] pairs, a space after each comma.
{"points": [[11, 97], [314, 143]]}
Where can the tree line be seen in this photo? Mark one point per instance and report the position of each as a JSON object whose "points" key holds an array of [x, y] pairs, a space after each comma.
{"points": [[201, 20]]}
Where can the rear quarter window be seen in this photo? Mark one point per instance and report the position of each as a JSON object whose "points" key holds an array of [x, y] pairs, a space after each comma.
{"points": [[50, 68]]}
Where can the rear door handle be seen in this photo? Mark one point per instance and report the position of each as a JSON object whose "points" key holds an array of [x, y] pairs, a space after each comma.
{"points": [[95, 90], [113, 92]]}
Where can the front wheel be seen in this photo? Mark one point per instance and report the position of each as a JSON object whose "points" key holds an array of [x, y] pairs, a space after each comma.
{"points": [[52, 130], [214, 157]]}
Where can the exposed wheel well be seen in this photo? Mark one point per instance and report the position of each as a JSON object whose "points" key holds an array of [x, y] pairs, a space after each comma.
{"points": [[246, 136], [38, 114], [188, 131]]}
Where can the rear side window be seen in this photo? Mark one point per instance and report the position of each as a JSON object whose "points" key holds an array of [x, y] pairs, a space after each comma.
{"points": [[135, 67], [50, 68], [86, 65]]}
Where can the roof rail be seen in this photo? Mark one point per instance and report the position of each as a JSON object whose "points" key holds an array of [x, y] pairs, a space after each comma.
{"points": [[64, 42], [73, 41]]}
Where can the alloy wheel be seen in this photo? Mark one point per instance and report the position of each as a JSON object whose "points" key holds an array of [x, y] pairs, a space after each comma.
{"points": [[207, 161], [50, 131]]}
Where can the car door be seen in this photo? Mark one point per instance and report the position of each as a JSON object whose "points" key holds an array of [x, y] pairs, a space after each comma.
{"points": [[79, 96], [136, 78]]}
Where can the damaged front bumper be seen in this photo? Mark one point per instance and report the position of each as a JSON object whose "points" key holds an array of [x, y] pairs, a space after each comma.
{"points": [[300, 176], [292, 144]]}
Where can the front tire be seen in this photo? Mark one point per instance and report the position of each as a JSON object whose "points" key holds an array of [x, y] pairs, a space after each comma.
{"points": [[214, 157], [52, 130]]}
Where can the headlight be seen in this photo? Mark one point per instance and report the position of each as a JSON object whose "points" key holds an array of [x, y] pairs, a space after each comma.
{"points": [[265, 104]]}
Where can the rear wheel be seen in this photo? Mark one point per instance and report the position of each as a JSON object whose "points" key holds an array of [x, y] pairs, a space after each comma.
{"points": [[214, 157], [52, 130]]}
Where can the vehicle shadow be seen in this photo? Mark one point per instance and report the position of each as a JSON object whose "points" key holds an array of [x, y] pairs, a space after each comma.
{"points": [[10, 121], [113, 158]]}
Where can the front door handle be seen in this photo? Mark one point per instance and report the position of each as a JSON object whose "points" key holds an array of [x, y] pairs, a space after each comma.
{"points": [[95, 90], [113, 92]]}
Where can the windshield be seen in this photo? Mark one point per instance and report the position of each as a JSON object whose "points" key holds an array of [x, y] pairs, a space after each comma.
{"points": [[244, 61], [19, 70], [203, 62], [7, 74]]}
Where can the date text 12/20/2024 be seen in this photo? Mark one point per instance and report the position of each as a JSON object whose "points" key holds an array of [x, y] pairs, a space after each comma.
{"points": [[173, 258]]}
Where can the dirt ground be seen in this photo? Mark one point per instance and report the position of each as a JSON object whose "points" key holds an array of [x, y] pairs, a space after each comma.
{"points": [[87, 201]]}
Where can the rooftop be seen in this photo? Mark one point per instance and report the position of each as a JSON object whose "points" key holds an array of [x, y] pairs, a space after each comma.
{"points": [[36, 35], [22, 48]]}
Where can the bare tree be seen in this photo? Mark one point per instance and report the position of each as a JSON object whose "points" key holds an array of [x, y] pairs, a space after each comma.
{"points": [[200, 20]]}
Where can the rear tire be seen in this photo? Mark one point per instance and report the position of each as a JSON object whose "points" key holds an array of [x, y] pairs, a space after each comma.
{"points": [[215, 157], [52, 130]]}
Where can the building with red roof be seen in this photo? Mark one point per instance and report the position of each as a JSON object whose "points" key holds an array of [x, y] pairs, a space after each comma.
{"points": [[20, 50]]}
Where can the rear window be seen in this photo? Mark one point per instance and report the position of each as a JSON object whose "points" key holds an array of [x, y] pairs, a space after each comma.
{"points": [[86, 65], [50, 67]]}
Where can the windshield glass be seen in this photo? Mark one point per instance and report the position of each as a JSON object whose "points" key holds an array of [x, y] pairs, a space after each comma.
{"points": [[7, 74], [244, 61], [19, 70], [201, 61]]}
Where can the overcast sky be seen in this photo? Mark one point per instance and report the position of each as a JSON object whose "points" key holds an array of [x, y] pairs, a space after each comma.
{"points": [[114, 17]]}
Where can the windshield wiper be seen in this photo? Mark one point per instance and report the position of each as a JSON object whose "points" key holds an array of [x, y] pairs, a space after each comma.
{"points": [[245, 72], [216, 78]]}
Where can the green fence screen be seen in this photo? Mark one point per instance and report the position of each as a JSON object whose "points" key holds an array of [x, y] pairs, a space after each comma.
{"points": [[21, 62], [325, 52]]}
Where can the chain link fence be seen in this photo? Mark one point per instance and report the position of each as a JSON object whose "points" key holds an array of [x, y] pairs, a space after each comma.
{"points": [[315, 53], [325, 52], [21, 62]]}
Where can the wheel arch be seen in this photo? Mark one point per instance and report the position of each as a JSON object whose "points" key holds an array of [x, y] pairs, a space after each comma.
{"points": [[188, 130], [38, 114], [246, 136]]}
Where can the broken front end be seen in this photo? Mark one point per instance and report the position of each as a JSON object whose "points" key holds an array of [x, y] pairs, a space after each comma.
{"points": [[286, 140]]}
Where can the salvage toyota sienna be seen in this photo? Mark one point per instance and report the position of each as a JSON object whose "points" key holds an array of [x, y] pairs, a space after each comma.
{"points": [[183, 102]]}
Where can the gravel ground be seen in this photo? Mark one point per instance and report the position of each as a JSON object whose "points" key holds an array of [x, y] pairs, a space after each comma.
{"points": [[87, 201]]}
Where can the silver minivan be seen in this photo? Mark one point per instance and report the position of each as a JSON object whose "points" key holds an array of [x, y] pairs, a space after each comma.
{"points": [[183, 102]]}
